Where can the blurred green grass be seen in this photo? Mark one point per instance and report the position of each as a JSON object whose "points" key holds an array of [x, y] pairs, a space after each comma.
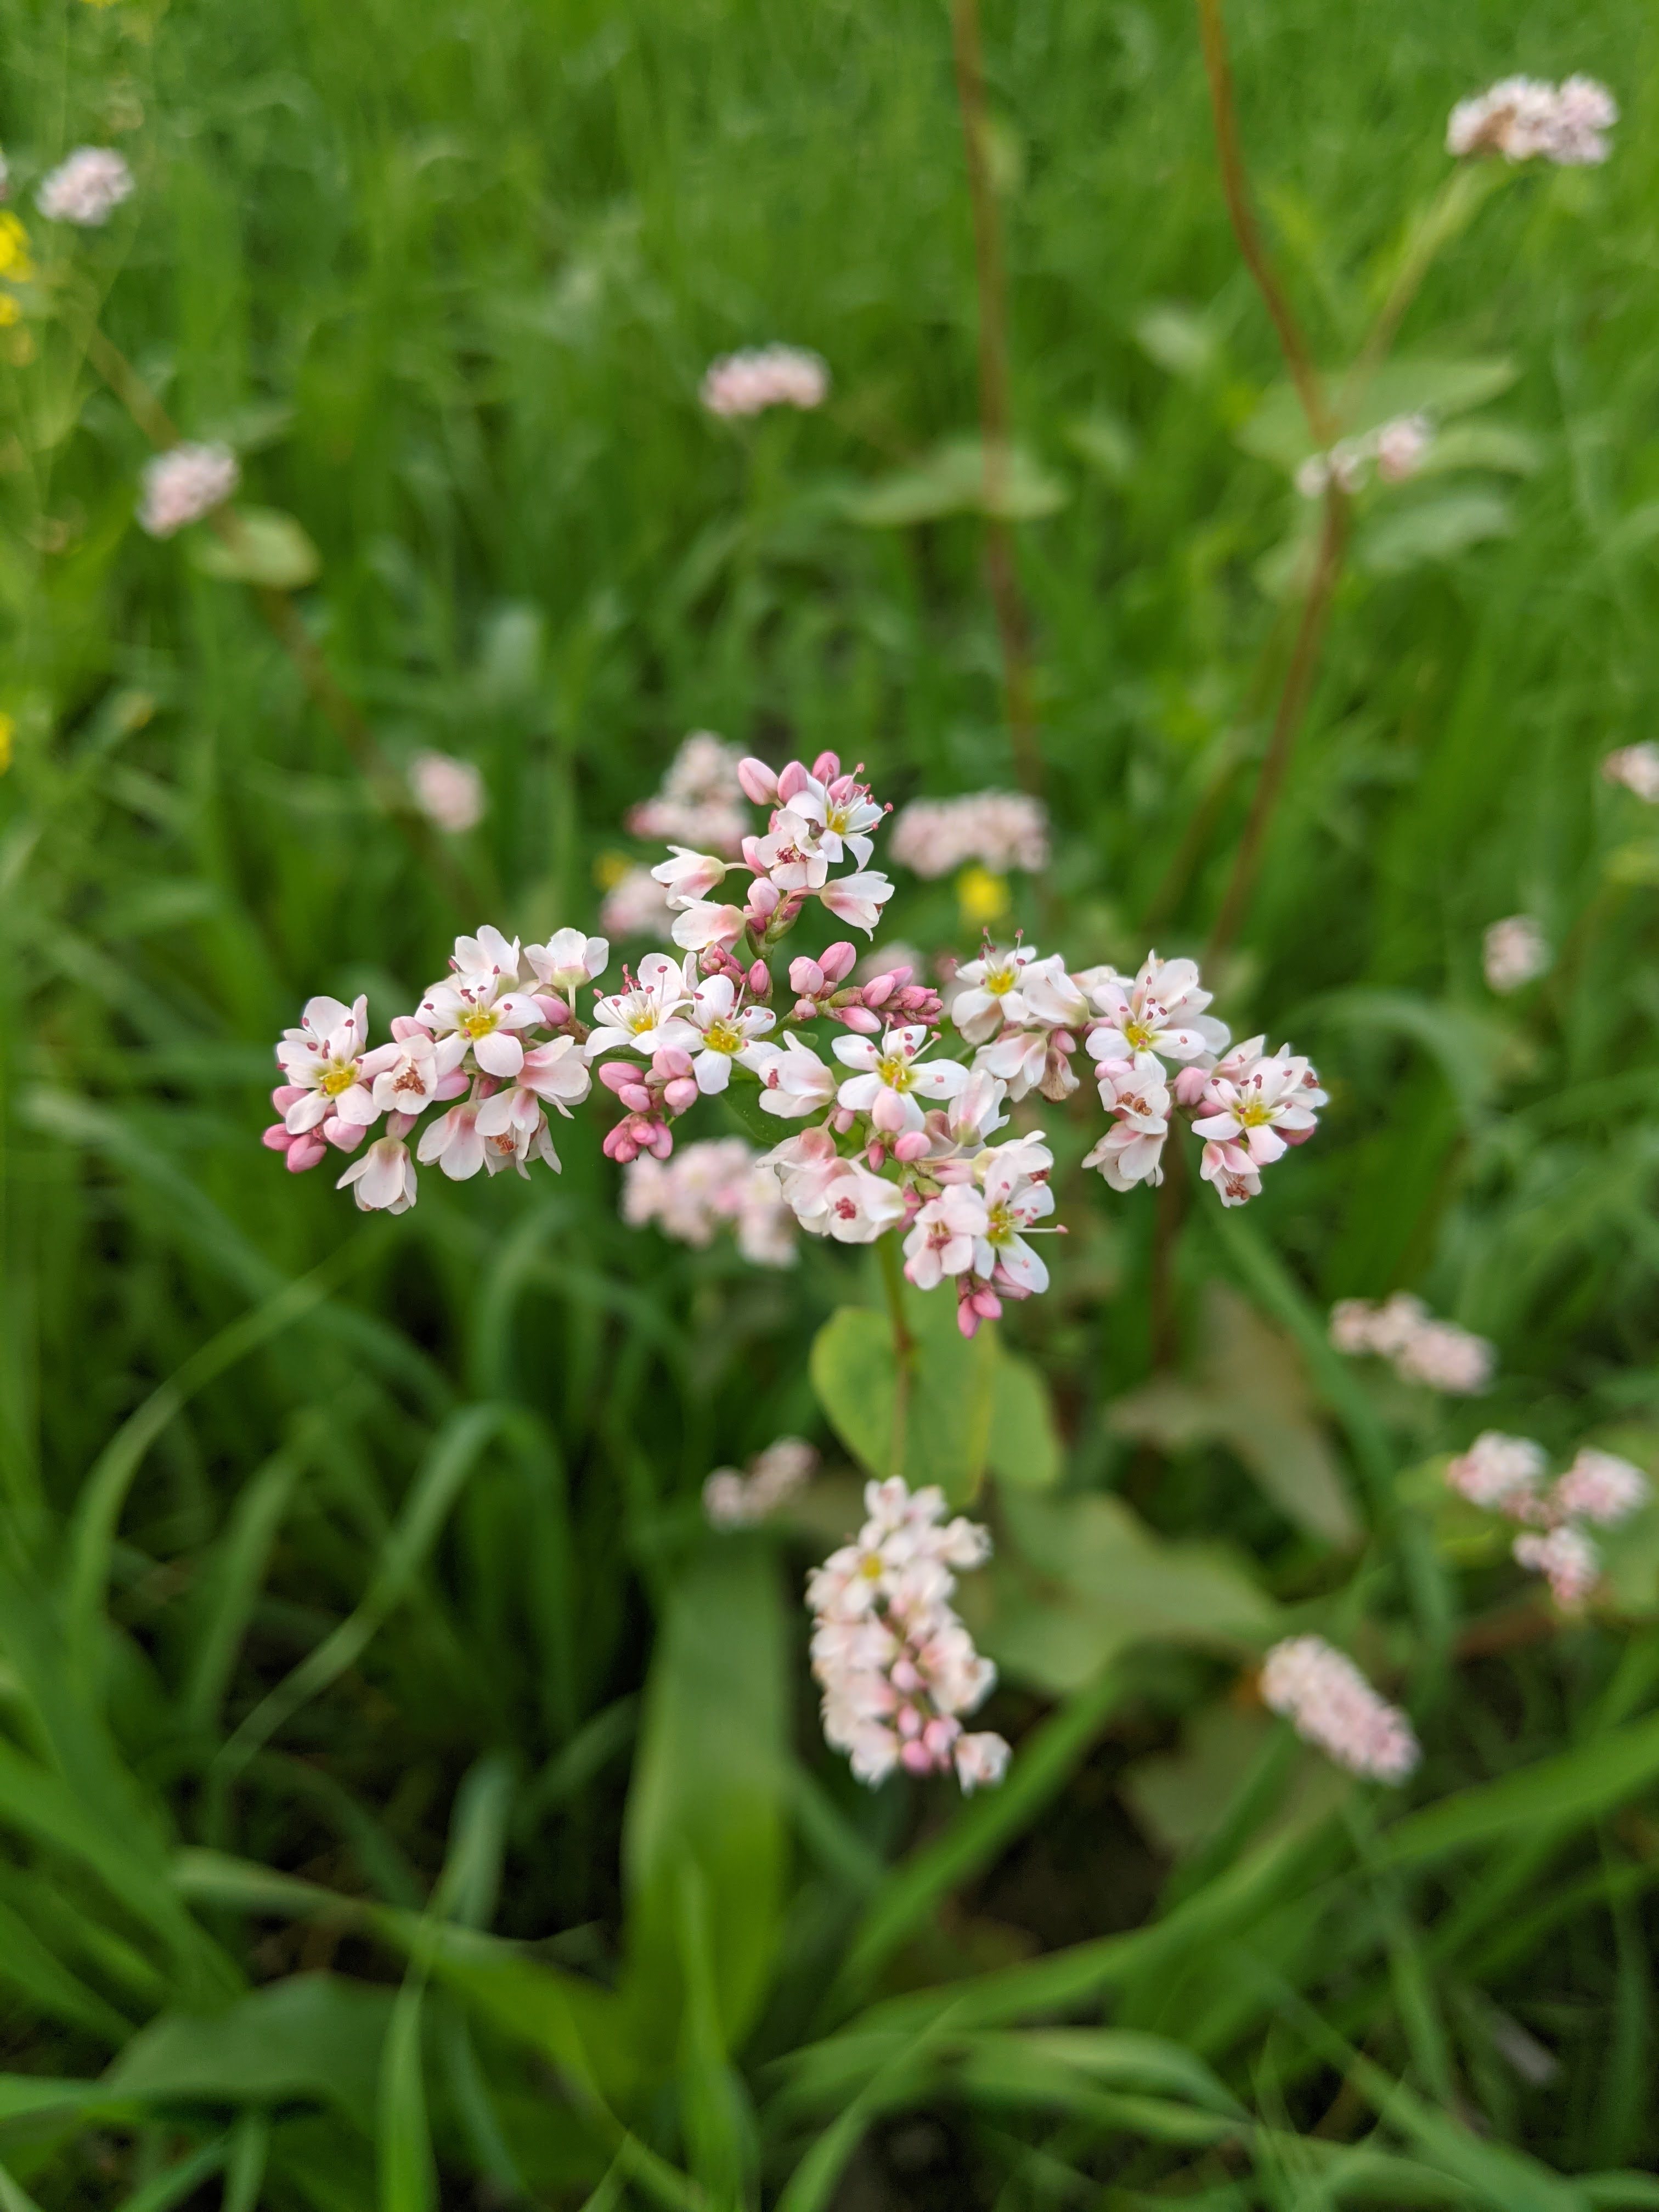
{"points": [[448, 275]]}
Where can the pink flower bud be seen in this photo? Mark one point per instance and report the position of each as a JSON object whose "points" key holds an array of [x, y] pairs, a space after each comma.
{"points": [[838, 960], [305, 1152], [619, 1144], [400, 1125], [793, 780], [344, 1136], [987, 1304], [759, 782], [752, 859], [680, 1095], [615, 1074], [763, 900], [760, 981], [285, 1094], [804, 1010], [858, 1017], [275, 1139], [554, 1012], [875, 1152], [805, 977], [1190, 1084], [826, 766], [841, 1119], [914, 1758], [911, 1145], [670, 1059], [453, 1085], [879, 990]]}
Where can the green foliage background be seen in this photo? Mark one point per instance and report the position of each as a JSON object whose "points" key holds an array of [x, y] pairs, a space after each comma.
{"points": [[403, 1802]]}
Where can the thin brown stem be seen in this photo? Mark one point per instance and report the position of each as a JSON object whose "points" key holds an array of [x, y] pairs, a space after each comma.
{"points": [[904, 1348], [1287, 723], [1001, 569], [1236, 189]]}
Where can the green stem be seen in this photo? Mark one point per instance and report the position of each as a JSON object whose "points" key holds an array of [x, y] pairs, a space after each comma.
{"points": [[904, 1347]]}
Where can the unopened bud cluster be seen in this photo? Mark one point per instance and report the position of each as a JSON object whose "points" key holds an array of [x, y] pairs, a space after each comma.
{"points": [[1508, 1475]]}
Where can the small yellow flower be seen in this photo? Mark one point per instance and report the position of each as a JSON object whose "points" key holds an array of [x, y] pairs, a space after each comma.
{"points": [[982, 897], [7, 732], [15, 260], [9, 311], [610, 869]]}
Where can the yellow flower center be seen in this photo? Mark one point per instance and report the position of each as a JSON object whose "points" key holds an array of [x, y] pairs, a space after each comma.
{"points": [[1002, 980], [1000, 1224], [1138, 1035], [896, 1072], [340, 1077], [870, 1567], [480, 1021], [644, 1018], [723, 1036], [1253, 1116]]}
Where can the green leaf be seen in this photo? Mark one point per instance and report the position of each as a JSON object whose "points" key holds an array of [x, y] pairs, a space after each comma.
{"points": [[855, 1375], [710, 1790], [408, 2178], [1278, 431], [1431, 529], [953, 1382], [951, 480], [1024, 1445], [260, 546]]}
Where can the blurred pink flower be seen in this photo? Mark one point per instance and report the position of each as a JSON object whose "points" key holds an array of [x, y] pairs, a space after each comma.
{"points": [[1330, 1705]]}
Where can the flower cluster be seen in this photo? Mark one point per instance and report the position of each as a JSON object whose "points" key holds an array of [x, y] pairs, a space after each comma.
{"points": [[907, 1108], [1398, 448], [1523, 119], [1330, 1705], [450, 792], [183, 485], [1636, 767], [86, 189], [635, 905], [897, 1668], [1513, 952], [732, 1500], [1506, 1474], [700, 801], [999, 829], [704, 1188], [1436, 1353], [750, 382]]}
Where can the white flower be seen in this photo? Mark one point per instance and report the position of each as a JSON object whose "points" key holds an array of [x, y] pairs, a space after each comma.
{"points": [[411, 1070], [890, 1081], [702, 923], [749, 382], [1523, 119], [1232, 1171], [1331, 1705], [86, 189], [1567, 1560], [1133, 1091], [1443, 1357], [704, 1187], [1000, 829], [726, 1032], [981, 1761], [1014, 1179], [1262, 1102], [183, 485], [732, 1500], [701, 803], [1161, 1011], [794, 1081], [1018, 989], [839, 816], [944, 1236], [479, 1002], [1600, 1486], [569, 959], [635, 906], [1513, 952], [858, 899], [1636, 767], [1499, 1471], [648, 1015], [688, 876], [557, 1072], [834, 1197], [383, 1180], [1402, 446], [453, 1142], [323, 1058]]}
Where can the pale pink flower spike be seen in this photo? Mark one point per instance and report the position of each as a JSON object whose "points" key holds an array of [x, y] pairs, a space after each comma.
{"points": [[1331, 1706]]}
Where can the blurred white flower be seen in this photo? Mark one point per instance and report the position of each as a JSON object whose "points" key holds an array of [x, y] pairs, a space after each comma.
{"points": [[637, 905], [1500, 1473], [1567, 1560], [183, 485], [87, 188], [450, 792], [1402, 445], [1513, 952], [1524, 118], [702, 1189], [732, 1500], [1636, 767], [749, 382], [1000, 829], [1330, 1705], [1601, 1487], [1436, 1353], [701, 802]]}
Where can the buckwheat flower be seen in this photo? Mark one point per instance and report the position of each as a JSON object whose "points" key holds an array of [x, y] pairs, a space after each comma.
{"points": [[1351, 1321], [1636, 767], [1000, 829], [407, 1074], [726, 1032], [701, 803], [834, 1197], [749, 382], [897, 1668], [450, 792], [648, 1014], [732, 1500], [1500, 1473], [569, 959], [702, 922], [1160, 1012], [794, 1081], [1524, 118], [1014, 1182], [322, 1060], [479, 1001], [1331, 1706], [187, 482], [1514, 953], [1262, 1102], [1396, 1323], [383, 1181], [452, 1142], [1402, 446], [636, 905], [687, 877], [858, 899], [86, 189], [944, 1236], [1443, 1357], [890, 1081], [1135, 1093], [1566, 1559], [1600, 1487]]}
